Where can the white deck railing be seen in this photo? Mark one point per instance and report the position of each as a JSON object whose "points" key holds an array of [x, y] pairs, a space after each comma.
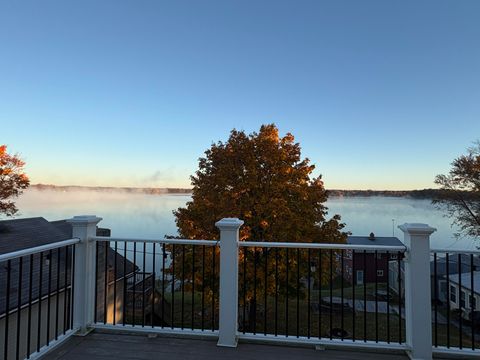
{"points": [[221, 301]]}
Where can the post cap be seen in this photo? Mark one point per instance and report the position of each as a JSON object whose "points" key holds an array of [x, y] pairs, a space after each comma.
{"points": [[229, 223], [84, 220], [417, 229]]}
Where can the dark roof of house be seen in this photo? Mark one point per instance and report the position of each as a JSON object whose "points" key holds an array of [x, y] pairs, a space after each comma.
{"points": [[377, 240], [453, 264], [18, 234], [21, 234]]}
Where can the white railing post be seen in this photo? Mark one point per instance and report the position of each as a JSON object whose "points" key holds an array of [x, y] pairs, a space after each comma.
{"points": [[418, 314], [84, 227], [228, 317]]}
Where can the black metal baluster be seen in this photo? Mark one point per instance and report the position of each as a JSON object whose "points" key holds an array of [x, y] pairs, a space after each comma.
{"points": [[331, 293], [152, 310], [447, 264], [134, 287], [376, 296], [276, 291], [173, 287], [193, 286], [19, 305], [460, 328], [72, 292], [255, 260], [244, 289], [388, 297], [352, 252], [298, 293], [399, 297], [7, 310], [124, 305], [214, 253], [50, 260], [144, 259], [65, 285], [58, 293], [341, 290], [308, 292], [286, 293], [96, 283], [115, 284], [29, 316], [105, 293], [183, 286], [164, 254], [265, 292], [40, 291], [472, 299], [319, 293], [364, 295], [435, 287], [203, 288]]}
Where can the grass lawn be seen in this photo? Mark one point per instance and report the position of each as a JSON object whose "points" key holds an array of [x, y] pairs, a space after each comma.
{"points": [[369, 326]]}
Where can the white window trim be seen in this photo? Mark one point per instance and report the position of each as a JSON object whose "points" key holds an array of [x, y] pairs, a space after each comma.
{"points": [[470, 298], [357, 277], [464, 299], [454, 293]]}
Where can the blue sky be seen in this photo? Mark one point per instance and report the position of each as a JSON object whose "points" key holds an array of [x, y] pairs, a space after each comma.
{"points": [[380, 94]]}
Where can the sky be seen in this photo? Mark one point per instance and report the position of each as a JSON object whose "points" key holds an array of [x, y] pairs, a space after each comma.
{"points": [[380, 94]]}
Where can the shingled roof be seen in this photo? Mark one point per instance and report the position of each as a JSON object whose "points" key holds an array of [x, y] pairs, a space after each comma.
{"points": [[375, 240], [18, 234], [21, 234]]}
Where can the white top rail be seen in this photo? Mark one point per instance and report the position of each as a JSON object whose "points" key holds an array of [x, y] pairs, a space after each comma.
{"points": [[320, 246], [159, 241], [258, 244], [456, 251], [38, 249]]}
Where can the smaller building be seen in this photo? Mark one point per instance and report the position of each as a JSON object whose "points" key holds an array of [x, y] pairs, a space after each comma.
{"points": [[461, 293], [369, 266]]}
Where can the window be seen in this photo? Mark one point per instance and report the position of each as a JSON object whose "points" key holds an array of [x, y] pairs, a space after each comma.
{"points": [[359, 277], [453, 294], [379, 272], [463, 297], [379, 256], [473, 302]]}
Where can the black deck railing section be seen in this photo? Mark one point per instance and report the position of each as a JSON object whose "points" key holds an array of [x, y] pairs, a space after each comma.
{"points": [[324, 294], [455, 278], [36, 300], [157, 284]]}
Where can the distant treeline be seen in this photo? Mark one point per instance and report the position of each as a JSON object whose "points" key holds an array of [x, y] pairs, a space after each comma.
{"points": [[132, 190], [414, 194]]}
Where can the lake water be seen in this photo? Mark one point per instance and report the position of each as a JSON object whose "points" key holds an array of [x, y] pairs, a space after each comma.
{"points": [[150, 216]]}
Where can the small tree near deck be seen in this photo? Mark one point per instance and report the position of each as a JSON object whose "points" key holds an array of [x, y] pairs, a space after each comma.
{"points": [[261, 179], [461, 192], [13, 181]]}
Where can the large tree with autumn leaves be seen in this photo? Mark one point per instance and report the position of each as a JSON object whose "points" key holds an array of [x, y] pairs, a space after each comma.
{"points": [[13, 180], [262, 179]]}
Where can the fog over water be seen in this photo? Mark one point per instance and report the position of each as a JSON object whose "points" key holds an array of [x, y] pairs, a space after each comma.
{"points": [[150, 216]]}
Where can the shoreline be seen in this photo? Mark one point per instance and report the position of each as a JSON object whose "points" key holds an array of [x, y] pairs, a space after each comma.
{"points": [[416, 194]]}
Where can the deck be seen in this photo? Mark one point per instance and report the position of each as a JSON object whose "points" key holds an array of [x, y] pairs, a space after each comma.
{"points": [[103, 346]]}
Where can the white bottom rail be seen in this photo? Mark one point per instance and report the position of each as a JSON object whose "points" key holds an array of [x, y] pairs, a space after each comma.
{"points": [[158, 330], [52, 345]]}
